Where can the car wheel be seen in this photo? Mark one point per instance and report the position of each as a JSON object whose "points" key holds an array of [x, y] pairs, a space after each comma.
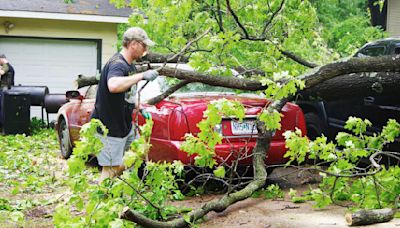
{"points": [[314, 124], [64, 139]]}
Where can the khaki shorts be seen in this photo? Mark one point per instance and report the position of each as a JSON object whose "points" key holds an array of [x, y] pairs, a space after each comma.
{"points": [[114, 148]]}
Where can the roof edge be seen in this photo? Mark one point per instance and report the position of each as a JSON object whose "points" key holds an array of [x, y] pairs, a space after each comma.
{"points": [[63, 16]]}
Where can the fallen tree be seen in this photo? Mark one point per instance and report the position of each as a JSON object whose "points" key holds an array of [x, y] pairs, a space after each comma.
{"points": [[362, 84], [242, 36], [348, 75], [312, 80]]}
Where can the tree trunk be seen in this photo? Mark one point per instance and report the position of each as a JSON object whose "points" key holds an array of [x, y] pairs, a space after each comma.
{"points": [[362, 84], [366, 217], [312, 78]]}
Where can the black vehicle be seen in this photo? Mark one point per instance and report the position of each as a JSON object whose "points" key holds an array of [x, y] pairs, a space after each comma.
{"points": [[378, 103]]}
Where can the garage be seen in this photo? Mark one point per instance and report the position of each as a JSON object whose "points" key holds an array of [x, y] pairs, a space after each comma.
{"points": [[54, 63], [51, 62], [50, 42]]}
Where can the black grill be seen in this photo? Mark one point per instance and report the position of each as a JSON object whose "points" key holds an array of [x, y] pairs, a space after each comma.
{"points": [[15, 112], [37, 93]]}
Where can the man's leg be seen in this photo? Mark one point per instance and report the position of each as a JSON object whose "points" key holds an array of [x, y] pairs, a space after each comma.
{"points": [[133, 134], [112, 171], [110, 157]]}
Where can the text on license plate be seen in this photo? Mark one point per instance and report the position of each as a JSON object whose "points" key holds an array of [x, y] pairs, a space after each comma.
{"points": [[246, 127]]}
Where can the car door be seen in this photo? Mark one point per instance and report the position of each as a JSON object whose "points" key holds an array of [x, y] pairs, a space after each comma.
{"points": [[380, 105]]}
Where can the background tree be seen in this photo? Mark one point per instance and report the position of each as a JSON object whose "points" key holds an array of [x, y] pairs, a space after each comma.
{"points": [[346, 25]]}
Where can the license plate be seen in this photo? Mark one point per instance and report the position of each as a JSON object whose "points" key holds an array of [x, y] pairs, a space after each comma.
{"points": [[247, 127]]}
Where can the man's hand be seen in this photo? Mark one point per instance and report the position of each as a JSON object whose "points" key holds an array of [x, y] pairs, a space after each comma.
{"points": [[150, 75], [145, 114]]}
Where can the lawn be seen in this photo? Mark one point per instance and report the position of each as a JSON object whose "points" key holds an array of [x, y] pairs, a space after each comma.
{"points": [[32, 178]]}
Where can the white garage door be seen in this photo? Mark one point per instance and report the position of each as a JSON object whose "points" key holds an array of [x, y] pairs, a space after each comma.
{"points": [[49, 62], [54, 63]]}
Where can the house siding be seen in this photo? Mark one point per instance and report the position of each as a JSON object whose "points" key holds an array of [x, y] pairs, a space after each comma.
{"points": [[393, 15], [106, 32]]}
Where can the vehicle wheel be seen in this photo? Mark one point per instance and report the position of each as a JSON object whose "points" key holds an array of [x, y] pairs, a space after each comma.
{"points": [[64, 139], [314, 124]]}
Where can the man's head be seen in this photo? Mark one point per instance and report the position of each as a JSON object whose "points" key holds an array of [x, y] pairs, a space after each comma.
{"points": [[136, 41], [3, 59]]}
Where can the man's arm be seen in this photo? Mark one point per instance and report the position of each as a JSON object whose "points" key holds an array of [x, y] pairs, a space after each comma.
{"points": [[122, 84]]}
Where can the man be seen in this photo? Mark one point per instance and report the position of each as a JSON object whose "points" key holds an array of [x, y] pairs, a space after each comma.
{"points": [[115, 100], [6, 72], [6, 80]]}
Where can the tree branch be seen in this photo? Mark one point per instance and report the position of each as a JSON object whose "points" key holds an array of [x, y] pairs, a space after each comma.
{"points": [[349, 66], [169, 91], [188, 45], [298, 59], [219, 18], [154, 57], [264, 31], [236, 18], [229, 82]]}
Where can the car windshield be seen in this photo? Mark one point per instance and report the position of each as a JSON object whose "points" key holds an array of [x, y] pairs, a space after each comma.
{"points": [[200, 87], [160, 85]]}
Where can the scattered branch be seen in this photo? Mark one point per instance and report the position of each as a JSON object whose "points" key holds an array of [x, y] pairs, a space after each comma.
{"points": [[366, 217], [140, 194]]}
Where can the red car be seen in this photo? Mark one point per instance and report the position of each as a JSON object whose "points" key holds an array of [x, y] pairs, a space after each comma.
{"points": [[179, 114]]}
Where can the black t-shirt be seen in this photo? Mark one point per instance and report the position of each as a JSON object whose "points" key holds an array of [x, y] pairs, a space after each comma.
{"points": [[111, 108]]}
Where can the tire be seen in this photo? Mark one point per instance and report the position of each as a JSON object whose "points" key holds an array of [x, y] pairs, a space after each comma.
{"points": [[314, 124], [64, 139]]}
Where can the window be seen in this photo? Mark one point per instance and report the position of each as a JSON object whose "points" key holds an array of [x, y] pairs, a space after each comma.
{"points": [[372, 51], [397, 50]]}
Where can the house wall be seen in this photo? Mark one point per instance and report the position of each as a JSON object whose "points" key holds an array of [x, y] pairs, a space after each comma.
{"points": [[393, 18], [107, 32]]}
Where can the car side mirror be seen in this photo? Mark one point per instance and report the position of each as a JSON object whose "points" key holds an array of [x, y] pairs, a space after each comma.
{"points": [[74, 94]]}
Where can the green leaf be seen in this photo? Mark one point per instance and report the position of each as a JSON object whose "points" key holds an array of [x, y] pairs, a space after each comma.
{"points": [[271, 119], [219, 172], [296, 199]]}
